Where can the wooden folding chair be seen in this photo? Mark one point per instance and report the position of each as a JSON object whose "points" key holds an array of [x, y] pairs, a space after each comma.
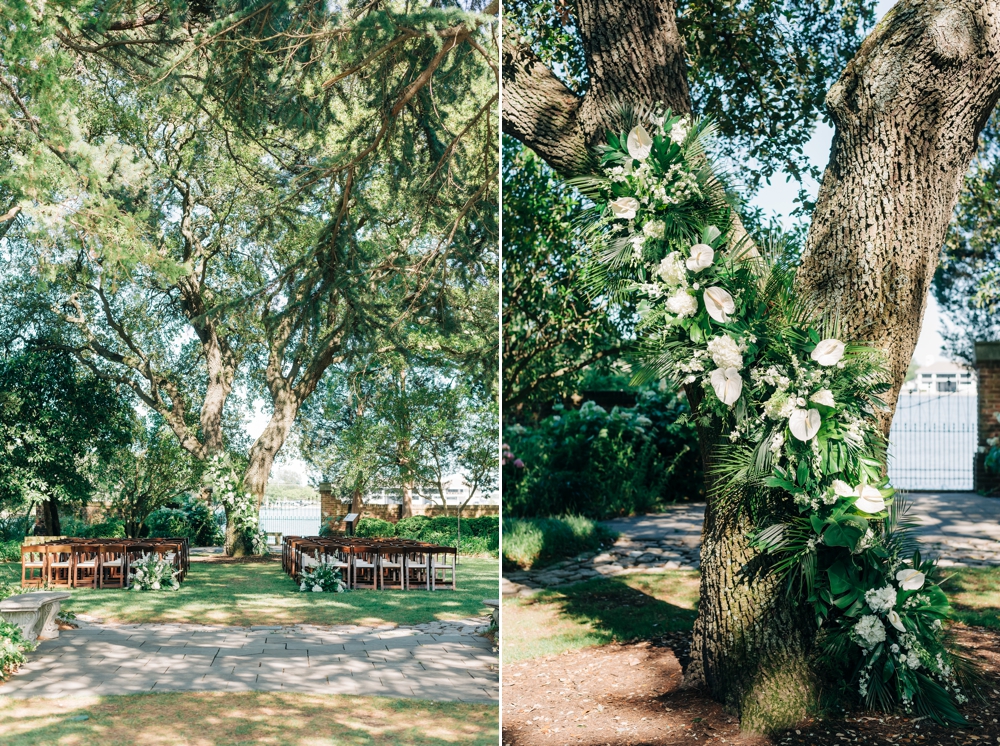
{"points": [[365, 567], [86, 565], [114, 566], [33, 569], [59, 565], [443, 572], [391, 561], [418, 565]]}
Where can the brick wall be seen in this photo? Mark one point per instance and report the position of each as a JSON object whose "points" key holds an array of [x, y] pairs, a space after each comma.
{"points": [[988, 371]]}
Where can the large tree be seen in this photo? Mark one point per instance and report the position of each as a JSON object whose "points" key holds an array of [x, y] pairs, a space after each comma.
{"points": [[907, 109], [60, 428], [227, 195]]}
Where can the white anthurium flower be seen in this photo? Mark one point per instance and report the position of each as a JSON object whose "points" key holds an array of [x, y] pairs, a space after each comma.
{"points": [[701, 257], [828, 352], [727, 384], [910, 579], [841, 488], [824, 397], [719, 304], [639, 143], [712, 233], [804, 423], [869, 500], [895, 620], [624, 208]]}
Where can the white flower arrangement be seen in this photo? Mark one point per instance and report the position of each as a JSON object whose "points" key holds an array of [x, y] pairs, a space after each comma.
{"points": [[241, 507], [733, 327], [322, 578], [152, 572]]}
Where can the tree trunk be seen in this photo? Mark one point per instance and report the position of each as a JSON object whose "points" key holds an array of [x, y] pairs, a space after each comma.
{"points": [[48, 518], [407, 499], [908, 111], [356, 502]]}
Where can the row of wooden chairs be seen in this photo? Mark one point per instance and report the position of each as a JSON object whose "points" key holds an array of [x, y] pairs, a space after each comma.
{"points": [[403, 564], [94, 563]]}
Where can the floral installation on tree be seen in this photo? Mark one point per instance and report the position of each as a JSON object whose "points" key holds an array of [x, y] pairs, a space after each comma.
{"points": [[799, 449], [241, 507], [152, 572], [323, 578]]}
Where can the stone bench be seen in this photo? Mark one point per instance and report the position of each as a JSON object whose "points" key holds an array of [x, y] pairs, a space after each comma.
{"points": [[34, 613], [494, 603]]}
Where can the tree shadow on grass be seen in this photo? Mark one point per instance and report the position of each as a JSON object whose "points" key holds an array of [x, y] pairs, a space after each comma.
{"points": [[621, 613], [224, 719]]}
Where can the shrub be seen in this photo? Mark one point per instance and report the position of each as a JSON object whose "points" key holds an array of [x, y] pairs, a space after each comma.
{"points": [[10, 551], [13, 646], [110, 528], [375, 528], [533, 542], [186, 517], [602, 464], [15, 527]]}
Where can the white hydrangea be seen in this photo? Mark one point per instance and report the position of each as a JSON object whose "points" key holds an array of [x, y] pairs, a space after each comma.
{"points": [[654, 228], [682, 304], [869, 631], [780, 406], [672, 270], [726, 352], [912, 659], [881, 600]]}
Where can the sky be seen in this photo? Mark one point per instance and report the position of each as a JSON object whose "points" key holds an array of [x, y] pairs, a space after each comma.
{"points": [[778, 199]]}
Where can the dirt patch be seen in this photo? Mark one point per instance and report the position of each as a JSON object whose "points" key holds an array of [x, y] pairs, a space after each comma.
{"points": [[622, 695]]}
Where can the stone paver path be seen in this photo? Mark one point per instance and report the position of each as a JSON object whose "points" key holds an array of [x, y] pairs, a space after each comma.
{"points": [[960, 529], [444, 661]]}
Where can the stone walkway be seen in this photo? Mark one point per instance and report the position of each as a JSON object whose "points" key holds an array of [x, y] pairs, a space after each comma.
{"points": [[960, 529], [444, 661]]}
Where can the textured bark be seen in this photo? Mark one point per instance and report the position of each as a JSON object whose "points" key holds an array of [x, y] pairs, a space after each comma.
{"points": [[635, 55], [908, 111]]}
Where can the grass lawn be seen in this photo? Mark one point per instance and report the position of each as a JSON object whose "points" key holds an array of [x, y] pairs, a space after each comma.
{"points": [[975, 594], [217, 719], [260, 593], [597, 612], [632, 607]]}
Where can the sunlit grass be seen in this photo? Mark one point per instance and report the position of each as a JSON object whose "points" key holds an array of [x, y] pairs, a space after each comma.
{"points": [[261, 594], [598, 612], [975, 595], [217, 719], [633, 607]]}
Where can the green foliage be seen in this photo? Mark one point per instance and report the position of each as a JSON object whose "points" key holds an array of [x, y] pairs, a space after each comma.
{"points": [[601, 464], [789, 412], [553, 332], [967, 281], [110, 528], [375, 528], [186, 516], [759, 68], [534, 542], [147, 475], [13, 646], [231, 196], [323, 578], [60, 427], [10, 550]]}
